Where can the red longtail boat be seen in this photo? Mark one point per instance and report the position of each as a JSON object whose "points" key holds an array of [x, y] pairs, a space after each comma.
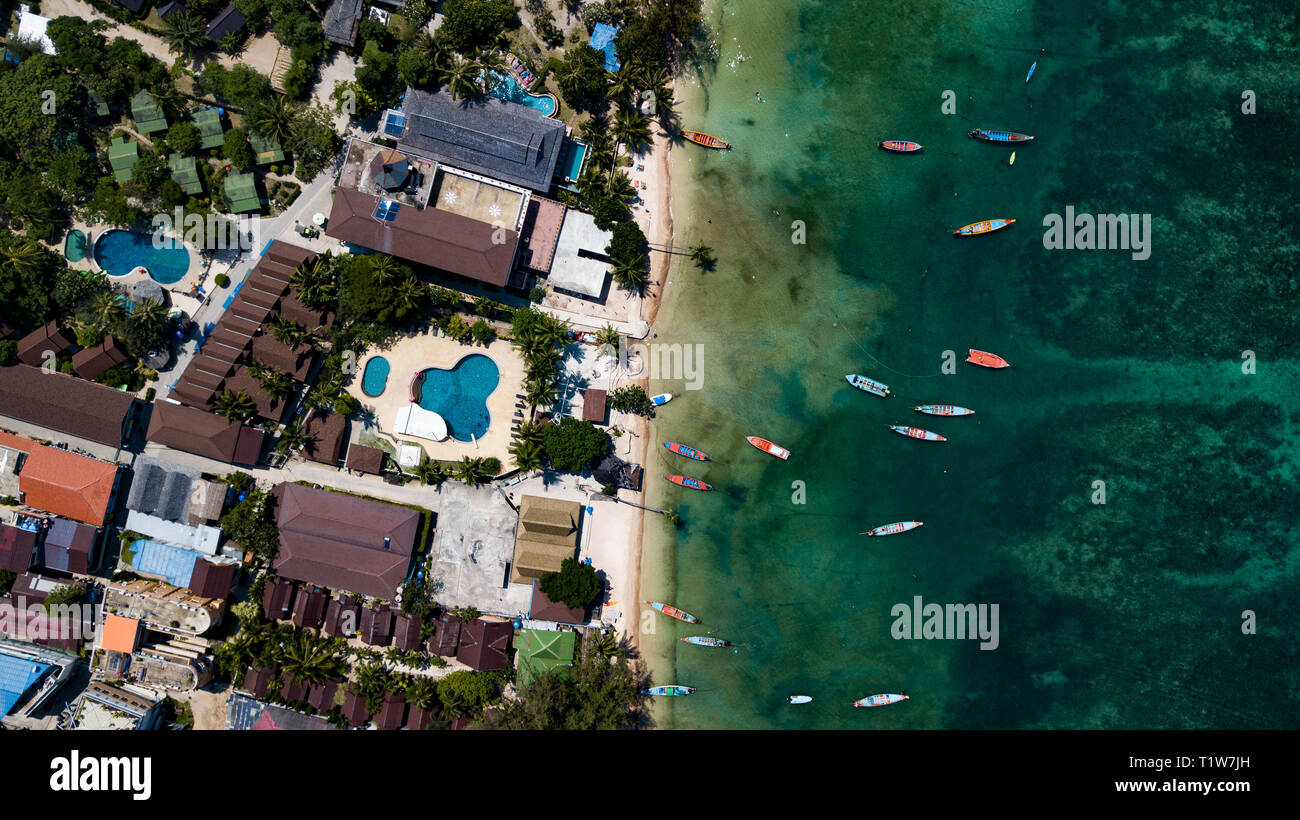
{"points": [[687, 481], [985, 359], [707, 140], [900, 146]]}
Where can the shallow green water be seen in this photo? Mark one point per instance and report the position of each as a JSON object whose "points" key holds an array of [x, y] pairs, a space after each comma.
{"points": [[1123, 614]]}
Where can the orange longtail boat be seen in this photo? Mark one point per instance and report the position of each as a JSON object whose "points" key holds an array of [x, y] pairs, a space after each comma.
{"points": [[900, 146], [987, 226], [768, 447], [707, 140], [687, 481], [985, 359]]}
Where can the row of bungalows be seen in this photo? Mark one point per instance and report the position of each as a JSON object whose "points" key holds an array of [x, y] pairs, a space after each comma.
{"points": [[334, 695]]}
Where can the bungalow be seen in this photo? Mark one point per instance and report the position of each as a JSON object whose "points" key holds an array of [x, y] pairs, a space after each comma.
{"points": [[266, 150], [376, 625], [277, 598], [393, 713], [309, 609], [485, 645], [363, 459], [354, 709], [241, 193], [546, 535], [446, 636], [17, 548], [208, 121], [35, 347], [123, 154], [213, 579], [406, 631], [185, 173], [257, 679], [342, 20], [93, 362], [342, 616], [147, 113], [539, 651], [227, 21], [191, 430]]}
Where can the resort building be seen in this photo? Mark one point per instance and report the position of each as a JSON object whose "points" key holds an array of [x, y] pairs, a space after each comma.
{"points": [[148, 115], [309, 607], [502, 140], [42, 401], [539, 651], [63, 483], [580, 266], [92, 362], [326, 434], [547, 534], [123, 154], [163, 607], [342, 20], [44, 343], [208, 121], [265, 149], [412, 207], [174, 493], [344, 542], [185, 173], [277, 598], [367, 460], [445, 640], [342, 617], [543, 610], [227, 21], [191, 430], [210, 579], [241, 193], [114, 708], [485, 645]]}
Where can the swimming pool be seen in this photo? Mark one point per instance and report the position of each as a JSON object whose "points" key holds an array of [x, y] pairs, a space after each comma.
{"points": [[508, 88], [375, 376], [119, 252], [156, 558], [460, 395], [570, 167], [74, 247]]}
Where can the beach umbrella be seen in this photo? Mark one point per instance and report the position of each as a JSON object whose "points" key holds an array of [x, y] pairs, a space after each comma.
{"points": [[146, 289], [157, 359], [319, 219]]}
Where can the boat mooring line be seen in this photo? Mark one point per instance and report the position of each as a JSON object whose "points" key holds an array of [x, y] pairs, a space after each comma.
{"points": [[882, 364]]}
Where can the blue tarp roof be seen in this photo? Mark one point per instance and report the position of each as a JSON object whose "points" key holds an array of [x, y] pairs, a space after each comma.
{"points": [[17, 676], [602, 39]]}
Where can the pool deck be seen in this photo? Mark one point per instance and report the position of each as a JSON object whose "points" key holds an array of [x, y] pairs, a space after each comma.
{"points": [[420, 352]]}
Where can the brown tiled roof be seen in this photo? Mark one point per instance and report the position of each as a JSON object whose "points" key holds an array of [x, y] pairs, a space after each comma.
{"points": [[365, 459], [291, 691], [334, 613], [68, 545], [543, 608], [541, 233], [428, 236], [446, 638], [309, 609], [344, 542], [212, 580], [65, 403], [484, 644], [418, 719], [277, 598], [406, 631], [354, 708], [321, 696], [376, 625], [392, 713], [295, 361], [326, 433], [256, 679], [593, 405], [32, 347], [268, 407], [292, 307], [195, 431], [93, 361], [62, 482], [17, 548]]}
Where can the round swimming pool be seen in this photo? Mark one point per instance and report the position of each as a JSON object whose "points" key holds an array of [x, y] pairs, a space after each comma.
{"points": [[375, 376], [119, 252], [460, 395]]}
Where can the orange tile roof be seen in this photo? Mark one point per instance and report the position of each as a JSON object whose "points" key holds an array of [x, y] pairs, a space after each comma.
{"points": [[63, 483], [119, 633]]}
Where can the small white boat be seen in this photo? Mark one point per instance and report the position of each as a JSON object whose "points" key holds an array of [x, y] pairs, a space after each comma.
{"points": [[1012, 161], [871, 386], [879, 700], [661, 399], [894, 528], [801, 698], [944, 410]]}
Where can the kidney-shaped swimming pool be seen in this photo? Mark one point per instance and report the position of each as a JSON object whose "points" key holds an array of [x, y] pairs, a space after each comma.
{"points": [[460, 395]]}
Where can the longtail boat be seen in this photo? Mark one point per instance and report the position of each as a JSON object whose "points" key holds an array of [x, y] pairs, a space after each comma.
{"points": [[894, 528], [671, 690], [916, 432], [985, 359], [707, 140], [687, 481], [987, 226], [768, 447], [673, 612], [801, 698], [900, 146], [704, 640], [683, 450], [1031, 72], [880, 700], [985, 135], [944, 410], [868, 385]]}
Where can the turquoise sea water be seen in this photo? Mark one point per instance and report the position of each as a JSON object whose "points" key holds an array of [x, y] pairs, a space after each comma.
{"points": [[1166, 383], [460, 394], [119, 252]]}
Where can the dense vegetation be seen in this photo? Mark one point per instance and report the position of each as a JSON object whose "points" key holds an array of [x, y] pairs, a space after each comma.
{"points": [[575, 585], [600, 691]]}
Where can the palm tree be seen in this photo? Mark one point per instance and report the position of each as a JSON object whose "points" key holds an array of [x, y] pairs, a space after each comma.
{"points": [[462, 78], [490, 63], [607, 335], [22, 257], [540, 394], [422, 693], [292, 439], [106, 311], [428, 472], [257, 369], [620, 186], [409, 295], [151, 314], [702, 256], [528, 456], [592, 184], [277, 383], [185, 33], [630, 273], [607, 645], [471, 470], [273, 118], [596, 126], [286, 331], [662, 91], [623, 84], [632, 128], [312, 661], [234, 405], [532, 433]]}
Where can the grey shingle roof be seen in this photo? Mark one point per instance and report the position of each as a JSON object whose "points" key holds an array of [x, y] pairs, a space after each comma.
{"points": [[499, 139]]}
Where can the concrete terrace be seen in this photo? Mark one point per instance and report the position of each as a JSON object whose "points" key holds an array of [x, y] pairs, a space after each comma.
{"points": [[473, 551]]}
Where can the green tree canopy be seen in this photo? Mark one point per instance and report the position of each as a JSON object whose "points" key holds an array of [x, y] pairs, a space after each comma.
{"points": [[575, 585], [572, 445]]}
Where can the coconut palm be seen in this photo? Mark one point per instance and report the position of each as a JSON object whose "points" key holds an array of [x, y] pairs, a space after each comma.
{"points": [[620, 186], [384, 268], [150, 314], [702, 256], [527, 456], [257, 369], [312, 661], [461, 76], [607, 645], [422, 693], [532, 433], [234, 405], [286, 331], [623, 85], [185, 34], [595, 127], [22, 258], [429, 472], [630, 273], [607, 335], [409, 295], [272, 118], [632, 129], [471, 470], [540, 394], [105, 311], [292, 439], [277, 383], [592, 184]]}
